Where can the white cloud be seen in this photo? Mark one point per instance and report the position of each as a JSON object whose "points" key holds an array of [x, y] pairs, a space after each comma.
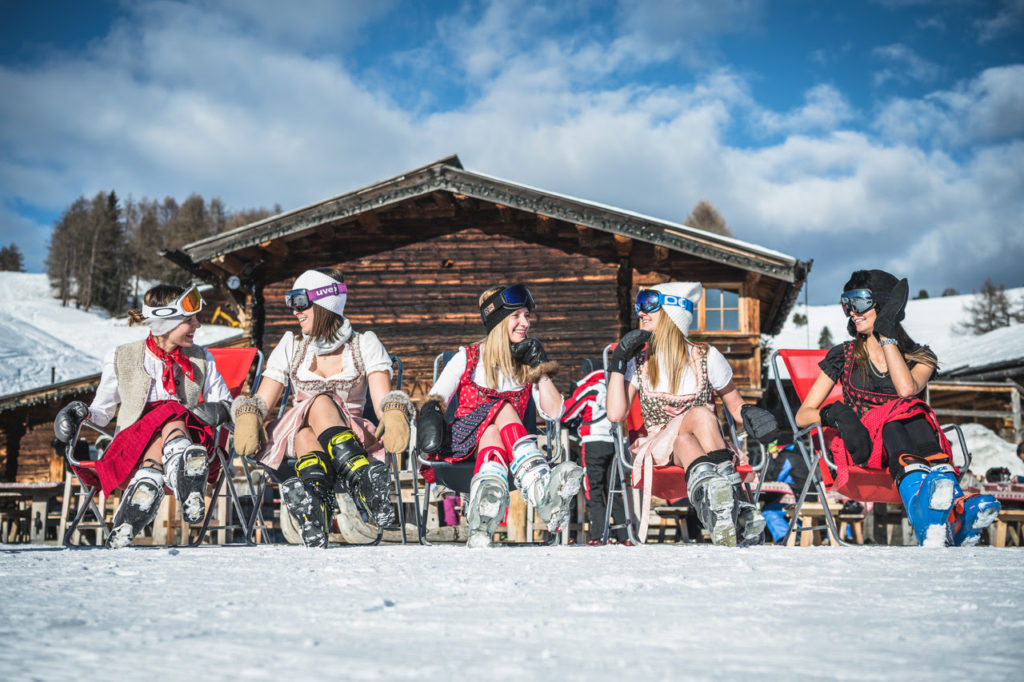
{"points": [[988, 108], [1008, 20], [824, 109], [905, 66]]}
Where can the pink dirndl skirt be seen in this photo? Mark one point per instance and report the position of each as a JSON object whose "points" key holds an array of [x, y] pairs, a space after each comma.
{"points": [[281, 434], [124, 454]]}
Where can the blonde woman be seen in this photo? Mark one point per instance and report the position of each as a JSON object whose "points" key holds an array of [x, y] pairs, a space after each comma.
{"points": [[676, 380], [494, 380]]}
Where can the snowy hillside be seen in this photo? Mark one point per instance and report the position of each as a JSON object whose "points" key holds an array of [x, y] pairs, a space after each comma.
{"points": [[37, 334]]}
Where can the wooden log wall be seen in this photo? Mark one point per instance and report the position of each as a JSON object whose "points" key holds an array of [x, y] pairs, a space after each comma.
{"points": [[421, 299]]}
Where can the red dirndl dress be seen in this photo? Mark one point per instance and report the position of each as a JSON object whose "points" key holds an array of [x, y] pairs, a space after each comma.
{"points": [[875, 410], [124, 454]]}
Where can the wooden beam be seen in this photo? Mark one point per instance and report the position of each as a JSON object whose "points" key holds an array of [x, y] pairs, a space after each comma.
{"points": [[660, 253], [369, 221], [230, 263], [584, 235], [505, 212], [623, 245], [276, 247], [443, 200]]}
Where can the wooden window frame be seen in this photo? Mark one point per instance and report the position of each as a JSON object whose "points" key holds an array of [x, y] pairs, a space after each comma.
{"points": [[739, 289]]}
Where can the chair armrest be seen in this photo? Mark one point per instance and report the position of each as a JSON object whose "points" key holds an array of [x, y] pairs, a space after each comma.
{"points": [[963, 444], [69, 448]]}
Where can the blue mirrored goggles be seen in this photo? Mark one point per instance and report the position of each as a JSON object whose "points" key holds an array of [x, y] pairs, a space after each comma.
{"points": [[517, 296], [857, 301], [650, 300]]}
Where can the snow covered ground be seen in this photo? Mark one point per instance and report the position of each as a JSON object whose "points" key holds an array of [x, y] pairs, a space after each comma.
{"points": [[37, 334], [692, 612]]}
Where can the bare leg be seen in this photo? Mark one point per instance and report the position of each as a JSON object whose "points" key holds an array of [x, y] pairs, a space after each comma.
{"points": [[323, 414]]}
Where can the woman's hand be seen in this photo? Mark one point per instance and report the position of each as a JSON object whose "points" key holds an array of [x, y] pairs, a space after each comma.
{"points": [[247, 412], [531, 353], [396, 413], [628, 346]]}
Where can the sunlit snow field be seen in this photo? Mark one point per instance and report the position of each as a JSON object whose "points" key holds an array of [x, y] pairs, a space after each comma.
{"points": [[409, 612]]}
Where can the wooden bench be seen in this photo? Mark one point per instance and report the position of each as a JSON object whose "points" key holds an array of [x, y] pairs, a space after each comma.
{"points": [[36, 497], [1008, 526]]}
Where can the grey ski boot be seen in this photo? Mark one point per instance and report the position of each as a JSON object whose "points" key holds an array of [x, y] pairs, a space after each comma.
{"points": [[488, 500], [746, 515], [138, 507], [549, 491], [711, 495], [185, 470]]}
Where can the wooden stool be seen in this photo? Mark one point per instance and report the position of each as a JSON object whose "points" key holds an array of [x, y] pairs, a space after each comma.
{"points": [[812, 514]]}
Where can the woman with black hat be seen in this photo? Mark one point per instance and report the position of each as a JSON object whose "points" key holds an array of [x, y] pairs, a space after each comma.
{"points": [[883, 421], [494, 380]]}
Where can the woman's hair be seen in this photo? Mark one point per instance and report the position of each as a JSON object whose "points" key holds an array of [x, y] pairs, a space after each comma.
{"points": [[911, 351], [325, 322], [496, 354], [669, 352], [161, 294]]}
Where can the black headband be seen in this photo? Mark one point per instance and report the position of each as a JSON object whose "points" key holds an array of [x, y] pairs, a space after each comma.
{"points": [[496, 308]]}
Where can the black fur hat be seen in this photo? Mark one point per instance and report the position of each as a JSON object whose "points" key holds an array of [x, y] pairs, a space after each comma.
{"points": [[879, 282]]}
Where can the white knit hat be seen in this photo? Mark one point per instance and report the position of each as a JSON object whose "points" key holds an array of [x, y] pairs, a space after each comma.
{"points": [[676, 310], [312, 279]]}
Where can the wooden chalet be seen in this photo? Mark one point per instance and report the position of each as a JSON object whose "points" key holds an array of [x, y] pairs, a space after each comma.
{"points": [[419, 248]]}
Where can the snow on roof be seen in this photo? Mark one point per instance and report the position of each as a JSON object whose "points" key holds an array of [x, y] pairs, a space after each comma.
{"points": [[37, 334], [930, 321]]}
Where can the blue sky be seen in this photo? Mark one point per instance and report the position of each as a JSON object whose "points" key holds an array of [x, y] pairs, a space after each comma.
{"points": [[860, 134]]}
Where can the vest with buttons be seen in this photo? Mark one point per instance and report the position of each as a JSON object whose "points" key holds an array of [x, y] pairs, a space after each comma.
{"points": [[133, 383]]}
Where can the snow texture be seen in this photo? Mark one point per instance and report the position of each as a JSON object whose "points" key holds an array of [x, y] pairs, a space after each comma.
{"points": [[37, 334], [689, 612]]}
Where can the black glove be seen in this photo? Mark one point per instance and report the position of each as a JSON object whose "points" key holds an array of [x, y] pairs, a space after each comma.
{"points": [[430, 426], [890, 314], [529, 351], [760, 424], [215, 413], [67, 421], [851, 429], [628, 346]]}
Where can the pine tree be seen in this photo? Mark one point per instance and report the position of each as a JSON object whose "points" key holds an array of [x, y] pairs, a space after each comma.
{"points": [[825, 339], [991, 309], [706, 217], [11, 259], [65, 250]]}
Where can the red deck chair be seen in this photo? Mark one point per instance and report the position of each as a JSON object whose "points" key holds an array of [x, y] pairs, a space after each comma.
{"points": [[669, 481], [864, 485], [234, 365]]}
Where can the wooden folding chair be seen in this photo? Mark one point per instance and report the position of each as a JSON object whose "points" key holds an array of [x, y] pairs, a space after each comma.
{"points": [[864, 485], [458, 475], [669, 481]]}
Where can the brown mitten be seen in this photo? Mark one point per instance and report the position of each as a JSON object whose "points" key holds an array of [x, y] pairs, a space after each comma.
{"points": [[247, 413], [396, 412]]}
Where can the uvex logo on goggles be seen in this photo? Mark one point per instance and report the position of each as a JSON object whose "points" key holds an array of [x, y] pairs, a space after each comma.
{"points": [[857, 301], [302, 299], [189, 303], [650, 300]]}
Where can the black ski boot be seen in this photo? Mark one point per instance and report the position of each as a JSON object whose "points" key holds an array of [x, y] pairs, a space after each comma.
{"points": [[309, 498], [366, 480], [138, 506]]}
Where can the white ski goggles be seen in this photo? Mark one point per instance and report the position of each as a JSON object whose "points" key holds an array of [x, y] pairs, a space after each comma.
{"points": [[189, 303]]}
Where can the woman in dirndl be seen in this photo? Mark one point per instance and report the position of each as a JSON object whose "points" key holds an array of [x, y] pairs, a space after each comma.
{"points": [[677, 380], [493, 380], [882, 420], [171, 396], [323, 445]]}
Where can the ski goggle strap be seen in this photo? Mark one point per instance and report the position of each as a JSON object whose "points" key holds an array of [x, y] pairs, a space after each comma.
{"points": [[857, 301], [302, 299], [189, 303], [503, 303], [650, 300]]}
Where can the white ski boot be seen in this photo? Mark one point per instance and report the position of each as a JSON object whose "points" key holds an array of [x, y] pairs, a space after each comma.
{"points": [[549, 491], [711, 495], [138, 507], [488, 500], [749, 521], [185, 470]]}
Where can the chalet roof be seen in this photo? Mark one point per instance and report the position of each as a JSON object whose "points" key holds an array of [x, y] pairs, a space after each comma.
{"points": [[448, 175]]}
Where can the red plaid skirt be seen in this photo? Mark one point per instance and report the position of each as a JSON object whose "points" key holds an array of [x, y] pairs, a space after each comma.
{"points": [[874, 420], [124, 454]]}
